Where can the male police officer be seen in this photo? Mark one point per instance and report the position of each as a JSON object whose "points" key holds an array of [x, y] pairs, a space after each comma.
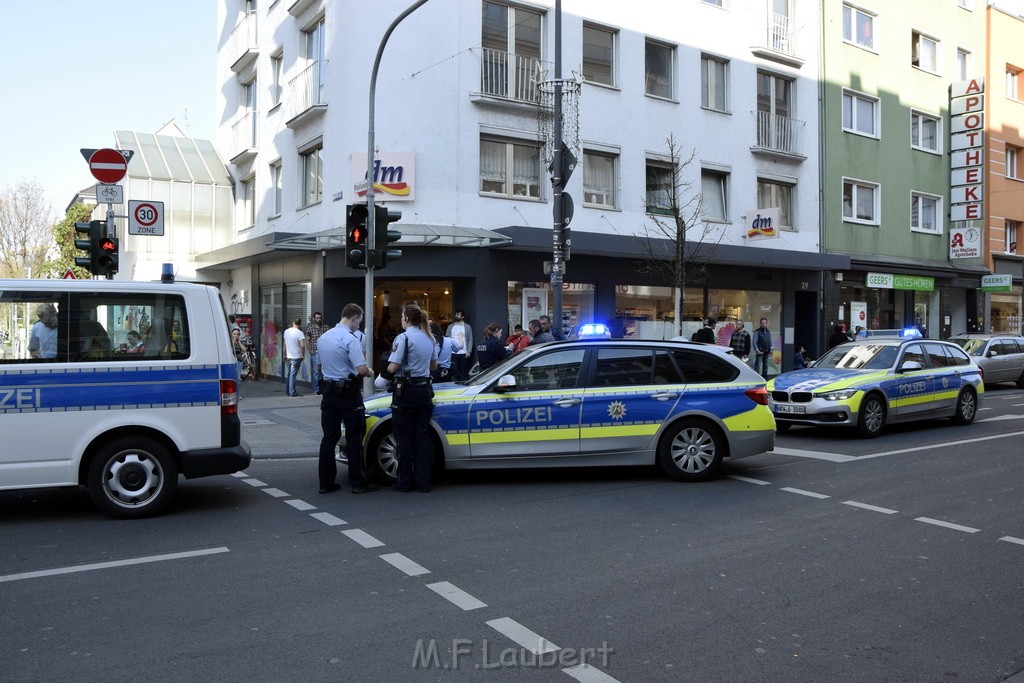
{"points": [[413, 358], [343, 363]]}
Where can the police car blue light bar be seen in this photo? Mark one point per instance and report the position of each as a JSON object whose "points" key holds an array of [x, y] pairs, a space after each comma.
{"points": [[905, 333], [594, 331]]}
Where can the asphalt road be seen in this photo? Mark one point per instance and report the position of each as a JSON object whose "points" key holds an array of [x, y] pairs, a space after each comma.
{"points": [[835, 558]]}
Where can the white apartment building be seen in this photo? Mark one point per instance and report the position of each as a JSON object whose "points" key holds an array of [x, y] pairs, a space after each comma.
{"points": [[458, 135]]}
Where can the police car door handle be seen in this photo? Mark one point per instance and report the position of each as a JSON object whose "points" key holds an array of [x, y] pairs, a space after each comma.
{"points": [[567, 402], [664, 395]]}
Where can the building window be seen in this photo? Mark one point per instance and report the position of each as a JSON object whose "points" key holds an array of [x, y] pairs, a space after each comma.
{"points": [[1013, 82], [858, 27], [658, 72], [312, 163], [860, 201], [924, 52], [660, 187], [276, 79], [512, 48], [599, 180], [924, 212], [275, 188], [963, 64], [1010, 237], [714, 186], [714, 86], [925, 132], [775, 195], [509, 169], [860, 114], [1012, 156], [247, 198], [598, 55]]}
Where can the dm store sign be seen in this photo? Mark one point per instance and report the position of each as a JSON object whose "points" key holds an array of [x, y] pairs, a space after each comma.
{"points": [[394, 176]]}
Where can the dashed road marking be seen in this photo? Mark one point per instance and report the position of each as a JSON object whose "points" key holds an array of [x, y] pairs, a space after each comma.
{"points": [[328, 519], [1013, 539], [759, 482], [948, 443], [276, 493], [300, 505], [404, 564], [948, 525], [456, 596], [254, 482], [109, 565], [815, 455], [809, 494], [526, 638], [873, 508], [240, 475], [362, 538], [584, 673]]}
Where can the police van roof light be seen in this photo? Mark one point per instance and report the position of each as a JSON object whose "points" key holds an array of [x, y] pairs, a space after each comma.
{"points": [[167, 272], [594, 331]]}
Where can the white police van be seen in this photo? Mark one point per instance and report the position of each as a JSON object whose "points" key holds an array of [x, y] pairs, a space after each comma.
{"points": [[117, 386]]}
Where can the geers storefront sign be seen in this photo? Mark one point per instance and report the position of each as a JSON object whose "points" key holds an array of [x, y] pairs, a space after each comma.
{"points": [[915, 283]]}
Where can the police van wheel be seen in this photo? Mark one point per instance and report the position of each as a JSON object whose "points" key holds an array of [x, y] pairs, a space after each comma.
{"points": [[966, 408], [132, 477], [384, 457], [691, 450], [871, 421]]}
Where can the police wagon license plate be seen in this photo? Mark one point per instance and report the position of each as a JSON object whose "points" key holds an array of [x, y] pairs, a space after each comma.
{"points": [[799, 410]]}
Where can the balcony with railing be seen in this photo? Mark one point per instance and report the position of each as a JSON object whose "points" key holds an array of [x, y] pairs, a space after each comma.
{"points": [[306, 96], [511, 77], [243, 44], [779, 136], [244, 138], [778, 41]]}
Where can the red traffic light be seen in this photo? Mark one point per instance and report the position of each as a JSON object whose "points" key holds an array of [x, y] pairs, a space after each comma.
{"points": [[357, 236], [108, 245]]}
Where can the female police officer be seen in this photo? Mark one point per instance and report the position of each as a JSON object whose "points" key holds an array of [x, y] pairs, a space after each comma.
{"points": [[413, 358]]}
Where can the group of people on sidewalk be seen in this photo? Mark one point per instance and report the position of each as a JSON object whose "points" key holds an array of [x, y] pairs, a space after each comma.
{"points": [[754, 349]]}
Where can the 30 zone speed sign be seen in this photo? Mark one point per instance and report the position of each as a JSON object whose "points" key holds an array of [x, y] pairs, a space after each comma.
{"points": [[145, 218]]}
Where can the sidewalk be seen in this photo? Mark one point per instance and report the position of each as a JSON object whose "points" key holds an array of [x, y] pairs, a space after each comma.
{"points": [[276, 425]]}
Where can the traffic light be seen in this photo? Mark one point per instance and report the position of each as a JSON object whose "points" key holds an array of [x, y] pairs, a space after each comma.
{"points": [[86, 230], [102, 250], [106, 254], [384, 235], [356, 235]]}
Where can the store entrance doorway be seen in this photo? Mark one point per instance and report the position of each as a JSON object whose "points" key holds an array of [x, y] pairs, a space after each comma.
{"points": [[433, 296]]}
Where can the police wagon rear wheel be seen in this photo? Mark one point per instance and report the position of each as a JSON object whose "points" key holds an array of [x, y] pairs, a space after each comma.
{"points": [[132, 477], [966, 408], [872, 416], [691, 450], [384, 457]]}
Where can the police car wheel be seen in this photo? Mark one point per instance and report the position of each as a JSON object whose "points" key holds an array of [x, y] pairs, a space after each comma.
{"points": [[132, 477], [966, 407], [384, 457], [871, 420], [691, 450]]}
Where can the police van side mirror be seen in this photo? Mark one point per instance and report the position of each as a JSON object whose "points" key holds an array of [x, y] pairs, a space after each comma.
{"points": [[505, 383]]}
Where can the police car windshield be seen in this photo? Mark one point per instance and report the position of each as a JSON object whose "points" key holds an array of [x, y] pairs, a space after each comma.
{"points": [[863, 356], [971, 346]]}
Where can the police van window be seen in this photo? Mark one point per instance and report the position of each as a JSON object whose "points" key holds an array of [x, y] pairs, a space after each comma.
{"points": [[703, 368], [623, 367], [33, 327], [550, 371], [127, 327], [956, 355], [936, 355]]}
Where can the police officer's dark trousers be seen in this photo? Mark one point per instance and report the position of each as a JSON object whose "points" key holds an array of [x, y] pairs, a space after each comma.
{"points": [[412, 411], [337, 407]]}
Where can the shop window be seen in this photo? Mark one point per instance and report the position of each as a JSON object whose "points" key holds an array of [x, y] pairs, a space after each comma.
{"points": [[643, 312], [530, 300]]}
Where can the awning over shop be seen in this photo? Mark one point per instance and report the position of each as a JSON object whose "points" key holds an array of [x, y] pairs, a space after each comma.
{"points": [[412, 235]]}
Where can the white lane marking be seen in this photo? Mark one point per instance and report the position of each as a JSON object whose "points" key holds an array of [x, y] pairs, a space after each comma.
{"points": [[276, 493], [873, 508], [328, 519], [943, 445], [254, 482], [1018, 405], [403, 563], [456, 595], [362, 538], [526, 638], [981, 409], [584, 673], [948, 525], [810, 494], [817, 455], [1001, 417], [240, 475], [1012, 539], [300, 505], [759, 482], [115, 563]]}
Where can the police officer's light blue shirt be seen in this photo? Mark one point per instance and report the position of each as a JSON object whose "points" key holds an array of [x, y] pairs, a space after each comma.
{"points": [[340, 353], [444, 353], [422, 350]]}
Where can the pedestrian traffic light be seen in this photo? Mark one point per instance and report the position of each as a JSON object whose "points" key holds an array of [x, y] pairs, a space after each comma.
{"points": [[102, 250], [106, 256], [356, 235], [384, 235]]}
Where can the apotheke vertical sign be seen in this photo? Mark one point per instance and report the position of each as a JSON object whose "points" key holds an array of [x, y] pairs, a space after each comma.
{"points": [[967, 145]]}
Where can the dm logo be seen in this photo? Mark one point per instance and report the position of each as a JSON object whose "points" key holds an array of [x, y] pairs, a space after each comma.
{"points": [[763, 225]]}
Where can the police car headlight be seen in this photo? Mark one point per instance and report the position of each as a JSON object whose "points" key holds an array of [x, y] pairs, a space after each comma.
{"points": [[840, 395]]}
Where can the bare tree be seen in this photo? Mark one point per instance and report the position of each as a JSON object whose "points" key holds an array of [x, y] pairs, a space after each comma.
{"points": [[677, 242], [26, 229]]}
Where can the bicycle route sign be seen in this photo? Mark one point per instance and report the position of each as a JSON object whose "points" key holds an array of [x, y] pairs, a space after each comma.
{"points": [[108, 165], [145, 217], [109, 194]]}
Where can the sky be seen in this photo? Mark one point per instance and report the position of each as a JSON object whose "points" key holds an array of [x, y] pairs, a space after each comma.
{"points": [[77, 70]]}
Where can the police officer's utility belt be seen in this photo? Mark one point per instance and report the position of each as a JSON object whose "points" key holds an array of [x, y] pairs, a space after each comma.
{"points": [[416, 381], [345, 386]]}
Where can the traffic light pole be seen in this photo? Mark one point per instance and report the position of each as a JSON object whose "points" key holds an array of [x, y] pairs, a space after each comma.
{"points": [[557, 182], [370, 220]]}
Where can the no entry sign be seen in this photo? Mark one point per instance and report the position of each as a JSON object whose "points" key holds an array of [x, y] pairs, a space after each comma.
{"points": [[108, 165]]}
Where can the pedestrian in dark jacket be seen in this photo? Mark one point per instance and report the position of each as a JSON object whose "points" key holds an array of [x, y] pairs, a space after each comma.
{"points": [[538, 334], [740, 342], [706, 334]]}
